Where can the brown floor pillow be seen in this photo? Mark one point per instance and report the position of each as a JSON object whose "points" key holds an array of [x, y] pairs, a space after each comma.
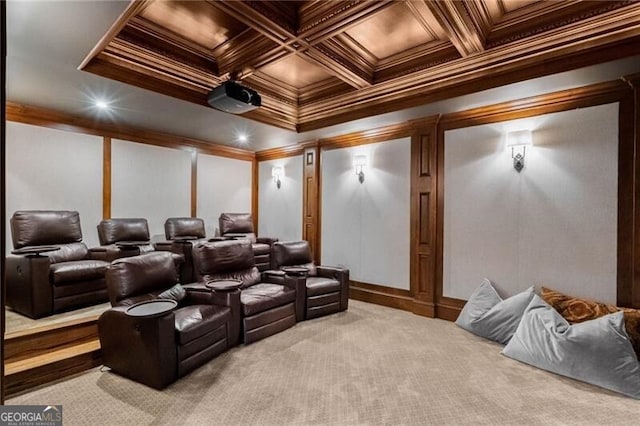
{"points": [[577, 310]]}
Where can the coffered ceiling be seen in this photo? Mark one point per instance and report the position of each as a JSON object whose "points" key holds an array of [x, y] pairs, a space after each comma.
{"points": [[318, 63]]}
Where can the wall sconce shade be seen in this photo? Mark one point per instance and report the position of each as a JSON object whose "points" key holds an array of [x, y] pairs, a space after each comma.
{"points": [[518, 141], [360, 162], [277, 172]]}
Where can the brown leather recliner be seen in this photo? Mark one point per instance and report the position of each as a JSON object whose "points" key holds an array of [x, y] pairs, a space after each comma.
{"points": [[271, 301], [182, 233], [41, 284], [122, 238], [240, 226], [327, 287], [143, 339]]}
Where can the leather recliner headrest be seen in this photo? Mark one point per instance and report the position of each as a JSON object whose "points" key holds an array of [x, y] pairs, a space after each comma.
{"points": [[175, 227], [42, 227], [147, 273], [235, 222], [224, 256], [113, 230]]}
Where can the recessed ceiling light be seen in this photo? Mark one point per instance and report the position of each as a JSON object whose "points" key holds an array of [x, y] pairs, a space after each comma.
{"points": [[102, 104], [242, 137]]}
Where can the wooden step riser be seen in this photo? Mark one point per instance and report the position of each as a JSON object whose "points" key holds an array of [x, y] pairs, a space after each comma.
{"points": [[25, 380], [19, 346]]}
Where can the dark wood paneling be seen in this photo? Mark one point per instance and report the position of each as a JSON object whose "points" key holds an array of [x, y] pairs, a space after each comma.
{"points": [[628, 293], [422, 217], [194, 184], [311, 200], [3, 209], [255, 185], [385, 296], [106, 178]]}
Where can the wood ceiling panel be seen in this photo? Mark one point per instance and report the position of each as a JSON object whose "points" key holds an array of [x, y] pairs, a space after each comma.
{"points": [[295, 71], [195, 21], [318, 63], [382, 36]]}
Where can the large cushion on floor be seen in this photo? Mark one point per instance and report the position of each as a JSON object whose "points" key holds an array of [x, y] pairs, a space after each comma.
{"points": [[576, 310], [78, 270], [596, 351], [321, 285], [261, 297], [486, 315], [195, 321]]}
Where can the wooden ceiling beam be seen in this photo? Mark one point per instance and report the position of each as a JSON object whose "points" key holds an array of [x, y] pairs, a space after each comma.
{"points": [[458, 23], [321, 20], [268, 24]]}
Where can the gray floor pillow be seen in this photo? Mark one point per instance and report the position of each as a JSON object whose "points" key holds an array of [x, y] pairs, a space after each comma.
{"points": [[488, 316], [596, 351]]}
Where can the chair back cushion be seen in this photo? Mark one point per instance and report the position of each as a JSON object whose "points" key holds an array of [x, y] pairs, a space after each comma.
{"points": [[293, 253], [113, 230], [134, 276], [236, 223], [43, 227], [232, 259], [175, 227]]}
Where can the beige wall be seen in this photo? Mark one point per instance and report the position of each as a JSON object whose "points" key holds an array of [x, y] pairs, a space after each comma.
{"points": [[50, 169], [366, 226], [224, 185], [552, 224], [280, 213], [150, 182]]}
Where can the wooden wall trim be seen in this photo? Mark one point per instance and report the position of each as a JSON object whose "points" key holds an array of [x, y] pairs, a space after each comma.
{"points": [[194, 184], [281, 152], [47, 118], [595, 94], [364, 137], [106, 178]]}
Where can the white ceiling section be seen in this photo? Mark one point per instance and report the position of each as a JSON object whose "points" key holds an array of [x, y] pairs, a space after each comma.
{"points": [[47, 41]]}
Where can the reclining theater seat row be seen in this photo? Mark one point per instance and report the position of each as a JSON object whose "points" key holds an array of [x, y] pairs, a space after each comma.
{"points": [[157, 349], [232, 301], [269, 302], [40, 282]]}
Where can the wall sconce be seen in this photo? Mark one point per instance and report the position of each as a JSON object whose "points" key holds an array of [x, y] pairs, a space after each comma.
{"points": [[277, 172], [359, 162], [518, 142]]}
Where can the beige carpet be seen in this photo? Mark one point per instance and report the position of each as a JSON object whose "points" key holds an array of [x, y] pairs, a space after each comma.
{"points": [[369, 365]]}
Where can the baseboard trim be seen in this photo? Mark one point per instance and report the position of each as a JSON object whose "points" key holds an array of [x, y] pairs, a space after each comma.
{"points": [[401, 299]]}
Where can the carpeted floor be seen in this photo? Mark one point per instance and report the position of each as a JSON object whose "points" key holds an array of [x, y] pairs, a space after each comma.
{"points": [[369, 365]]}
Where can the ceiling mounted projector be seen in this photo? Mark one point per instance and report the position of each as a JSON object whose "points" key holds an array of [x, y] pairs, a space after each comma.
{"points": [[234, 98]]}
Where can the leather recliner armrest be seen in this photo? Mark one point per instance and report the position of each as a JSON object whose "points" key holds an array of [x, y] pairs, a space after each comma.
{"points": [[141, 348], [341, 275], [198, 293], [294, 282], [163, 245], [29, 290], [266, 240]]}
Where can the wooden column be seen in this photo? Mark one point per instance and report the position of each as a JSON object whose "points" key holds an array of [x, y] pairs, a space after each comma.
{"points": [[194, 183], [311, 199], [423, 210], [106, 177], [628, 285]]}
